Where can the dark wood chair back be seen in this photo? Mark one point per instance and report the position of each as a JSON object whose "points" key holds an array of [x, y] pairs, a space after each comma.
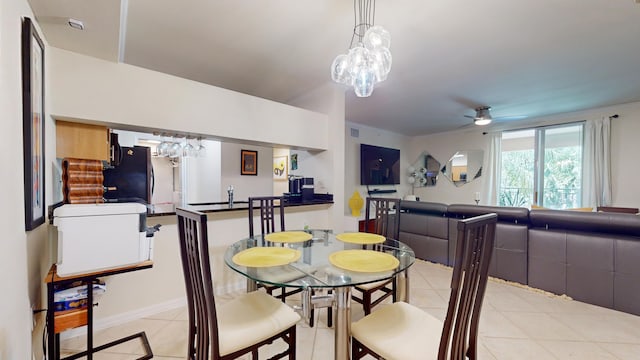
{"points": [[385, 218], [267, 206], [474, 248], [194, 252], [203, 342]]}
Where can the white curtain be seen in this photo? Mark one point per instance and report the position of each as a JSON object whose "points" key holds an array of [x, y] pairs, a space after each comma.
{"points": [[597, 163], [492, 173]]}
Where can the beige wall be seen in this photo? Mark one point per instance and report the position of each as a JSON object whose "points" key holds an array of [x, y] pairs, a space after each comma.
{"points": [[23, 256]]}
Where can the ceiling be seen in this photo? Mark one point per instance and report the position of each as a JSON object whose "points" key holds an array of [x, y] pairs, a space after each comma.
{"points": [[525, 59]]}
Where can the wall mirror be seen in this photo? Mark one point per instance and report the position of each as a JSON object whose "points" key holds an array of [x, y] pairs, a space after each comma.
{"points": [[464, 166], [424, 171]]}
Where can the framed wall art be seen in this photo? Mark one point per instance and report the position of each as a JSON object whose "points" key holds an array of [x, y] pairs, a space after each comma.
{"points": [[280, 168], [33, 125], [248, 162]]}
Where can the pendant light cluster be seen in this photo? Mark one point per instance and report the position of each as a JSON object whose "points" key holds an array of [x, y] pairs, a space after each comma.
{"points": [[368, 62]]}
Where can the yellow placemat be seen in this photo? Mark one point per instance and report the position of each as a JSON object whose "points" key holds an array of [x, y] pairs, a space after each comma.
{"points": [[363, 260], [266, 256], [360, 238], [288, 236]]}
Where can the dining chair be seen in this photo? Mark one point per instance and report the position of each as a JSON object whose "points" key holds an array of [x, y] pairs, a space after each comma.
{"points": [[403, 331], [267, 206], [385, 221], [237, 327]]}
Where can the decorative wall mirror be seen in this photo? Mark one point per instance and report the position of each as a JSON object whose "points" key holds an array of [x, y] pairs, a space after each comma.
{"points": [[424, 171], [464, 167]]}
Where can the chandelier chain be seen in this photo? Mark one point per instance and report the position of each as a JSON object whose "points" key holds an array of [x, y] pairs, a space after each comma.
{"points": [[364, 14], [367, 62]]}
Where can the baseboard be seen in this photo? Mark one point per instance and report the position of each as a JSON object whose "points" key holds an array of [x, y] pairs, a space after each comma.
{"points": [[126, 317]]}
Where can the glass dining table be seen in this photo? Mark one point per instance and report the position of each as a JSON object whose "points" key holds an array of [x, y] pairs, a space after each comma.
{"points": [[322, 260]]}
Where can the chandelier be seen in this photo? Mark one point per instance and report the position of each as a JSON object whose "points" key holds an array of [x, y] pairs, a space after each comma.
{"points": [[368, 60]]}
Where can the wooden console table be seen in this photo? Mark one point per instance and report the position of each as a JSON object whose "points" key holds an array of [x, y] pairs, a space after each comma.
{"points": [[58, 321]]}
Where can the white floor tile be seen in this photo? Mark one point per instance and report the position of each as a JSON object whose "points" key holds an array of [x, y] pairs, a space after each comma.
{"points": [[516, 323], [577, 350], [521, 349]]}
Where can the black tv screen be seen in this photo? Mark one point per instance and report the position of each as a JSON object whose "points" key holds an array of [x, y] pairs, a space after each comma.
{"points": [[379, 165]]}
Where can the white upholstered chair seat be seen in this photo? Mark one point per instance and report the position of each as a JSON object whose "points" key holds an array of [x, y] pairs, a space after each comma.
{"points": [[400, 331], [251, 318], [372, 285]]}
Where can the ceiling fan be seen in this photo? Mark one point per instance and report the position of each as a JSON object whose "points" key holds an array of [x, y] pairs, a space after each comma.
{"points": [[483, 116]]}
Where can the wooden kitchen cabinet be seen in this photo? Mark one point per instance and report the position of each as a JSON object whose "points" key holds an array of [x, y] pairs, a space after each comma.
{"points": [[82, 141]]}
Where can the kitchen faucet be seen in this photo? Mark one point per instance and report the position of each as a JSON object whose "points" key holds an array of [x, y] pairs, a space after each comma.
{"points": [[230, 194]]}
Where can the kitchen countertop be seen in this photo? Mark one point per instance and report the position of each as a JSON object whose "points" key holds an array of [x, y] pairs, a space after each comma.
{"points": [[170, 209]]}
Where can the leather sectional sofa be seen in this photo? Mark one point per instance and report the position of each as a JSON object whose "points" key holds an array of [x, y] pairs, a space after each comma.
{"points": [[591, 257]]}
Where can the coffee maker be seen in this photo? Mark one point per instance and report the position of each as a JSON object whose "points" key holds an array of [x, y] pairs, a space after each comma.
{"points": [[307, 189], [301, 189]]}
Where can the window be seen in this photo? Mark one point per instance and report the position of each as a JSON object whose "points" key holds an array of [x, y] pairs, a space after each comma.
{"points": [[542, 167]]}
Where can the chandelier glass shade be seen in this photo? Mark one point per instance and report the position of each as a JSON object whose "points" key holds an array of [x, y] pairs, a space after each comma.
{"points": [[368, 60]]}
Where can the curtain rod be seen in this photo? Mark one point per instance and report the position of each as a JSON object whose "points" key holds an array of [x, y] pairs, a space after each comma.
{"points": [[614, 116]]}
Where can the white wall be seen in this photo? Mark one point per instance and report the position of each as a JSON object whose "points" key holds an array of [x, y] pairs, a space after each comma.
{"points": [[377, 137], [329, 165], [23, 256], [246, 185], [130, 98], [442, 147], [133, 98], [281, 186], [625, 147], [204, 175], [625, 132]]}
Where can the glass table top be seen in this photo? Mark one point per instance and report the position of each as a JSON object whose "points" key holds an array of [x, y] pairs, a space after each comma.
{"points": [[313, 268]]}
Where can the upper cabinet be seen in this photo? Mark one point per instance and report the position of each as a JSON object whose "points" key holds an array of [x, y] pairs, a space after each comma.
{"points": [[82, 141]]}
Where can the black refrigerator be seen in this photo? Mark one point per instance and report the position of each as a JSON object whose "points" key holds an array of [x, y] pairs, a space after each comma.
{"points": [[132, 179]]}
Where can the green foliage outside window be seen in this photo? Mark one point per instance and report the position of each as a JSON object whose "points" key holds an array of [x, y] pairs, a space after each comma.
{"points": [[516, 188], [562, 178]]}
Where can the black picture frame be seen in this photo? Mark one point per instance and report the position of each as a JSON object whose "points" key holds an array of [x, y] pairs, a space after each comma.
{"points": [[33, 125], [248, 162]]}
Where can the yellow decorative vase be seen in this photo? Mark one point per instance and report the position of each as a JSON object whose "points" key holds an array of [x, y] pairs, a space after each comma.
{"points": [[355, 204]]}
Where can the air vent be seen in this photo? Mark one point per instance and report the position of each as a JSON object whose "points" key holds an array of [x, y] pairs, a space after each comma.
{"points": [[76, 24], [356, 133]]}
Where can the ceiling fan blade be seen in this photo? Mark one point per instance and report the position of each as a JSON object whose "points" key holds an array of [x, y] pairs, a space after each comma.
{"points": [[509, 118]]}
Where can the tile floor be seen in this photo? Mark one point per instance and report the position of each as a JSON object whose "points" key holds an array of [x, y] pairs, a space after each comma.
{"points": [[517, 323]]}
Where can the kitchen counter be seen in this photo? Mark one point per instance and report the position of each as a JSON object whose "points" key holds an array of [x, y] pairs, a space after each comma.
{"points": [[170, 209]]}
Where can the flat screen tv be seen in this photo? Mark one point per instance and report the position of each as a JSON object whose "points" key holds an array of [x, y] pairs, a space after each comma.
{"points": [[379, 165]]}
